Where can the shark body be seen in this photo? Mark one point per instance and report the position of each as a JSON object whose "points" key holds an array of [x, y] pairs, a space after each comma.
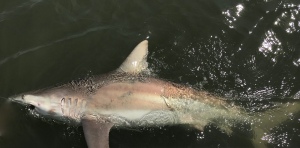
{"points": [[130, 96]]}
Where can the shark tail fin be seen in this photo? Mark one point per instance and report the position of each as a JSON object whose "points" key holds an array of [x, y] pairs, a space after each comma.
{"points": [[266, 121]]}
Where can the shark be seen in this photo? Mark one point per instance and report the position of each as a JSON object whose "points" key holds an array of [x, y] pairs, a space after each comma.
{"points": [[131, 96]]}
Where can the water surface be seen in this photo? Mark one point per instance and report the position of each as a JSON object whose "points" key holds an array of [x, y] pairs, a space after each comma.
{"points": [[246, 51]]}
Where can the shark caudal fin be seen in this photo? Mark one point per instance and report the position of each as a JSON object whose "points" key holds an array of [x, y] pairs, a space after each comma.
{"points": [[264, 122], [136, 62]]}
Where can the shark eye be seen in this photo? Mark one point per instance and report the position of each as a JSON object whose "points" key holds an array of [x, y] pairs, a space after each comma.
{"points": [[31, 107]]}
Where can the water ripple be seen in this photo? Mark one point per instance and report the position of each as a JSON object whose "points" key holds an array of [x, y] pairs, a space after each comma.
{"points": [[7, 13], [20, 53]]}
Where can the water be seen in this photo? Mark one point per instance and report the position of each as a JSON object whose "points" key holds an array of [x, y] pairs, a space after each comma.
{"points": [[247, 51]]}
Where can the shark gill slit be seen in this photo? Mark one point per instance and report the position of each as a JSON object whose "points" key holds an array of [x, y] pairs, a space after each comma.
{"points": [[79, 107], [76, 112], [72, 107], [69, 103], [82, 107], [62, 104]]}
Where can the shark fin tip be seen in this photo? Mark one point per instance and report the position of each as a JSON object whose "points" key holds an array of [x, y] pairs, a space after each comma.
{"points": [[136, 62]]}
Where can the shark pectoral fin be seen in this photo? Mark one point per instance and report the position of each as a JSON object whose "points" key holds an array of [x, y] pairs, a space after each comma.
{"points": [[136, 62], [96, 133]]}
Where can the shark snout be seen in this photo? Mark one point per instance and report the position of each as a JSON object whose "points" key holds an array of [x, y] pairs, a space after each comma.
{"points": [[18, 99]]}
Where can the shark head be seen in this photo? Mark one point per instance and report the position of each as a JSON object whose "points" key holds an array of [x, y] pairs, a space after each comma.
{"points": [[55, 102]]}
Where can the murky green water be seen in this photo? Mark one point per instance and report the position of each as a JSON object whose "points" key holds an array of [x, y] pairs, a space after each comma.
{"points": [[247, 51]]}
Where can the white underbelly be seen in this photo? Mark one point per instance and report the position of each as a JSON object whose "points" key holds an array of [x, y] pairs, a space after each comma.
{"points": [[142, 117], [127, 114]]}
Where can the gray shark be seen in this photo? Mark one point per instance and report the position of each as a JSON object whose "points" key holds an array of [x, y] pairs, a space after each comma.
{"points": [[131, 96]]}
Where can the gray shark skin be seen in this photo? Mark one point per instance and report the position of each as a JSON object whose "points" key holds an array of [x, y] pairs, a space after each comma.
{"points": [[131, 96]]}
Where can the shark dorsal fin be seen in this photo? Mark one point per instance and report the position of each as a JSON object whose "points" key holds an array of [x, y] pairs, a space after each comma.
{"points": [[136, 62]]}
